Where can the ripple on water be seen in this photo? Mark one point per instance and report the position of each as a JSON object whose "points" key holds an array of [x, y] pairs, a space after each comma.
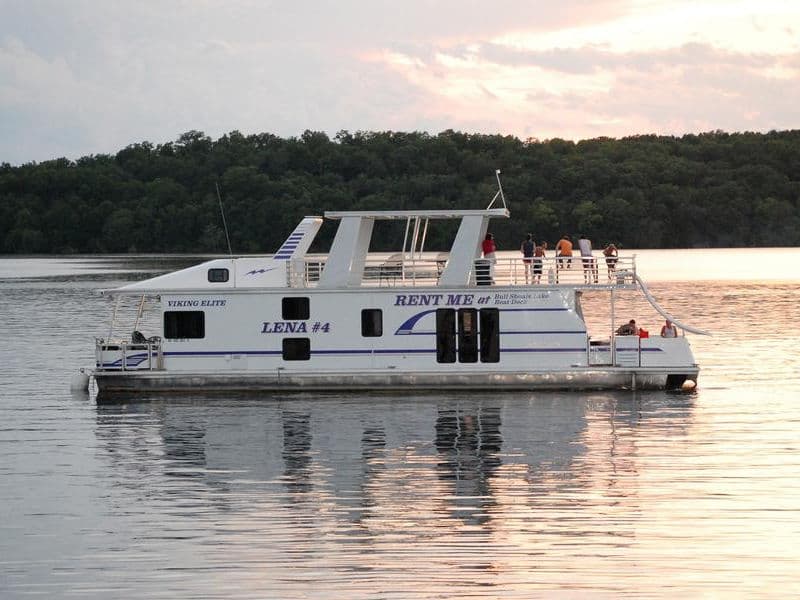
{"points": [[403, 496]]}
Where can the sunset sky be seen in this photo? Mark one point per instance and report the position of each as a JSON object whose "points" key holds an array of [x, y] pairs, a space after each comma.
{"points": [[82, 77]]}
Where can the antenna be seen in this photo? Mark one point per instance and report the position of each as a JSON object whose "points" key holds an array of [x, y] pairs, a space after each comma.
{"points": [[224, 224], [499, 192]]}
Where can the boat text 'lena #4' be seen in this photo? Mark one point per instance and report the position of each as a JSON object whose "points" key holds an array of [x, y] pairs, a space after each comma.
{"points": [[353, 319]]}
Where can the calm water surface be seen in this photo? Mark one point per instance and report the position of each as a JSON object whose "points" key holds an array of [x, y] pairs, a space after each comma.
{"points": [[416, 496]]}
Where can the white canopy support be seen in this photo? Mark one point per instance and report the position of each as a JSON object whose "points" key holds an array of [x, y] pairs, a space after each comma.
{"points": [[664, 313], [499, 193]]}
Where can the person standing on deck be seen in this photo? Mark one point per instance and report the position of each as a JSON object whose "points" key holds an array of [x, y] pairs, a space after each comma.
{"points": [[612, 256], [489, 252], [563, 254], [538, 258], [589, 263], [489, 248], [527, 248], [564, 251]]}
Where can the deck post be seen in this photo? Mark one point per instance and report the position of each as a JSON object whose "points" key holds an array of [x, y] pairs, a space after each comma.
{"points": [[613, 332], [113, 317], [639, 349], [139, 312]]}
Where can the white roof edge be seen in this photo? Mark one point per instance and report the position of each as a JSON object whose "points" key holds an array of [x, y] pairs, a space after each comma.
{"points": [[121, 291], [426, 214]]}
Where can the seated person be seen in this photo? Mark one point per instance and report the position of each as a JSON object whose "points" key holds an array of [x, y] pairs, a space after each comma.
{"points": [[669, 330], [628, 328]]}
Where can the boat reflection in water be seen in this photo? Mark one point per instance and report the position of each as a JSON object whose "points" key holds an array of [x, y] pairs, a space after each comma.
{"points": [[386, 461], [351, 494]]}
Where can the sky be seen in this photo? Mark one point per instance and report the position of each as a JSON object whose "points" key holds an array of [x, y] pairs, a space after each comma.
{"points": [[83, 77]]}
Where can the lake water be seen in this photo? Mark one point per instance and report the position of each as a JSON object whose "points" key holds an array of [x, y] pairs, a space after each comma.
{"points": [[513, 495]]}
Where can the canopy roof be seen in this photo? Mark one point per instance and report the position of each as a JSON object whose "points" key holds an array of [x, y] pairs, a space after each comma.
{"points": [[422, 214]]}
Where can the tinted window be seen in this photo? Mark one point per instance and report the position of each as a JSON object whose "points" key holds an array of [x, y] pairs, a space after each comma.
{"points": [[467, 335], [372, 322], [295, 309], [490, 335], [445, 335], [296, 348], [190, 324], [218, 275]]}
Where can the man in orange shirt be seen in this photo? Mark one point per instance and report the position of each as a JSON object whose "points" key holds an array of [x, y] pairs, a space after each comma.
{"points": [[564, 251]]}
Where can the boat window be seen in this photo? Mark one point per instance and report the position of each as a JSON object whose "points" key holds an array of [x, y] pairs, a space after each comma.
{"points": [[218, 275], [372, 322], [445, 335], [467, 335], [184, 324], [490, 335], [296, 348], [295, 309]]}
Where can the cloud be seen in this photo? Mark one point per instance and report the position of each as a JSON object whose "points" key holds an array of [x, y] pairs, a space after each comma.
{"points": [[590, 91], [92, 76], [663, 67]]}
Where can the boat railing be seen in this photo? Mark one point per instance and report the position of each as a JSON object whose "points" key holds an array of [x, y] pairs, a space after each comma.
{"points": [[126, 355], [378, 271], [304, 272], [576, 271], [398, 270]]}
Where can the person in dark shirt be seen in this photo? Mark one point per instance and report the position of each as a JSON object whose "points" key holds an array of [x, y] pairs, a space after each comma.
{"points": [[527, 248], [612, 255]]}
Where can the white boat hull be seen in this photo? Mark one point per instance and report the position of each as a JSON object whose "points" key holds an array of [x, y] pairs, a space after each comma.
{"points": [[248, 381]]}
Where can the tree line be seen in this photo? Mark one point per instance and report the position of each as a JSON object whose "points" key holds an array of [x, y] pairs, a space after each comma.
{"points": [[714, 189]]}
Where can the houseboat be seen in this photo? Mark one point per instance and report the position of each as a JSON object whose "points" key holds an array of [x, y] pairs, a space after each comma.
{"points": [[353, 319]]}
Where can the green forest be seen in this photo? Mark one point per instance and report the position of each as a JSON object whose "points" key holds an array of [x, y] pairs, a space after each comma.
{"points": [[714, 189]]}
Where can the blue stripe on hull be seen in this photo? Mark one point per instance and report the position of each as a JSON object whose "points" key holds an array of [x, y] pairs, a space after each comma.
{"points": [[363, 351]]}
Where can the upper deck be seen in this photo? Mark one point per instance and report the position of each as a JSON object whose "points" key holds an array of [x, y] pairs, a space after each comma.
{"points": [[426, 271], [350, 265]]}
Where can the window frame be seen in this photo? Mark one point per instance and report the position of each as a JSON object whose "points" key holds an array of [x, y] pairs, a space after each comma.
{"points": [[173, 324], [295, 305], [489, 328], [298, 352], [468, 336], [224, 270], [445, 335], [370, 325]]}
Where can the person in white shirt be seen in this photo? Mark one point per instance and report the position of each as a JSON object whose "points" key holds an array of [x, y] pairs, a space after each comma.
{"points": [[669, 330], [589, 263]]}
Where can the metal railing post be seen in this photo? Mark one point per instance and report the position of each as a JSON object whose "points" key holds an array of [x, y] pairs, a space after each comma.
{"points": [[640, 350]]}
